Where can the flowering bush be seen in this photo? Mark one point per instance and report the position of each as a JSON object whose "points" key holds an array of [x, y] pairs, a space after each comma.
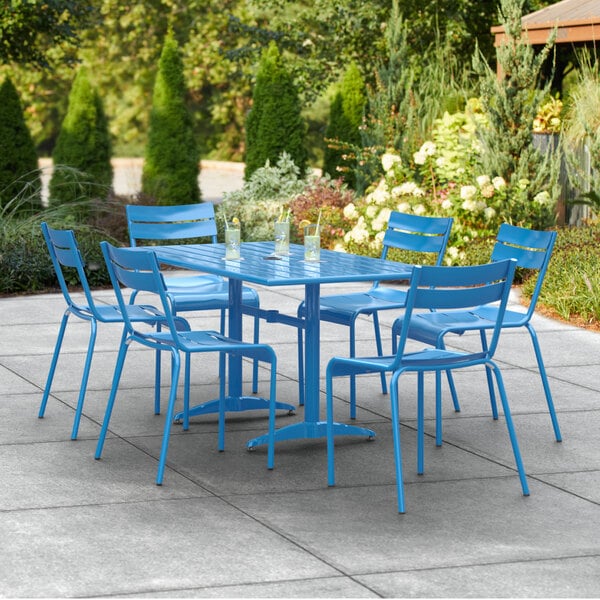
{"points": [[444, 179]]}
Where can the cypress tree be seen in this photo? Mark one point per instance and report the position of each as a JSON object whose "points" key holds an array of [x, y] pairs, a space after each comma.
{"points": [[82, 168], [343, 131], [172, 162], [274, 124], [19, 174], [510, 104]]}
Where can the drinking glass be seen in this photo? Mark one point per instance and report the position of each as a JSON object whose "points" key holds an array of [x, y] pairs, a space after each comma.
{"points": [[282, 238], [232, 241], [312, 243]]}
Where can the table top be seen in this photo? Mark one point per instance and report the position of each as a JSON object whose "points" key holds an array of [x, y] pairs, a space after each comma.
{"points": [[259, 265]]}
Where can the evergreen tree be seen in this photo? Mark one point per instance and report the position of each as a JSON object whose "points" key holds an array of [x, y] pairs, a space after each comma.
{"points": [[343, 131], [81, 157], [274, 124], [391, 113], [19, 175], [172, 162], [510, 102]]}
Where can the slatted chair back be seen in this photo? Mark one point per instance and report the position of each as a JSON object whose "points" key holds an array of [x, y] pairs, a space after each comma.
{"points": [[532, 249], [188, 221]]}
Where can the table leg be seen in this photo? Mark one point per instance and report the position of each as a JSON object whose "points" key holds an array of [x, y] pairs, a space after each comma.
{"points": [[235, 401], [312, 427]]}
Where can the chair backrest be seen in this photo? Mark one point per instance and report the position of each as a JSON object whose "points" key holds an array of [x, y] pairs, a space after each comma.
{"points": [[417, 233], [64, 253], [459, 288], [171, 222], [138, 270], [532, 249]]}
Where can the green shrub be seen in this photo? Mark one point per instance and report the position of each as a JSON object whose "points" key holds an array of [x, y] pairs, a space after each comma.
{"points": [[19, 174], [261, 200], [571, 288], [274, 124], [172, 162], [343, 131], [83, 147]]}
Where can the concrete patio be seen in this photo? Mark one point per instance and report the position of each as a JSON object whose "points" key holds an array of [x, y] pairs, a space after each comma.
{"points": [[222, 525]]}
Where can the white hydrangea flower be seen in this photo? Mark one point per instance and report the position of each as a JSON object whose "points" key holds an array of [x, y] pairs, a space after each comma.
{"points": [[483, 180], [481, 206], [379, 223], [447, 204], [420, 158], [339, 247], [487, 190], [542, 198], [419, 209], [467, 192], [469, 205], [440, 162], [452, 252], [403, 207], [371, 211], [498, 183], [350, 211], [428, 148], [388, 160], [489, 213], [380, 195]]}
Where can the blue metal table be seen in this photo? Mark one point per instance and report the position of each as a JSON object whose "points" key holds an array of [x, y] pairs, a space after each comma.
{"points": [[258, 265]]}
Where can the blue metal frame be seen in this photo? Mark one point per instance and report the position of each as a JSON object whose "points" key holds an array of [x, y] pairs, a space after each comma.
{"points": [[258, 266], [433, 288], [416, 233], [532, 249], [197, 292], [139, 270], [64, 252]]}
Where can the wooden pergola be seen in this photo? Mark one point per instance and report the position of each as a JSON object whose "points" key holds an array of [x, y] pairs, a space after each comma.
{"points": [[576, 21]]}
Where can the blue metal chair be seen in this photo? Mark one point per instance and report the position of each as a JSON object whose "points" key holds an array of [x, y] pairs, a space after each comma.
{"points": [[140, 271], [434, 288], [531, 249], [427, 235], [196, 292], [65, 254]]}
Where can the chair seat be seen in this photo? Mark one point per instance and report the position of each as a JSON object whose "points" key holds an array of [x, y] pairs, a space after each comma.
{"points": [[344, 308], [427, 327], [191, 293]]}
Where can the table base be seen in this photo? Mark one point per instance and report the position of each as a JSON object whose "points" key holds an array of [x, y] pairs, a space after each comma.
{"points": [[311, 431], [234, 404]]}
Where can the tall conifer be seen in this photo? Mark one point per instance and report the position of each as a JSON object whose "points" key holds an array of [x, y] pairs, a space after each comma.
{"points": [[343, 135], [274, 124], [83, 147], [172, 162], [19, 175]]}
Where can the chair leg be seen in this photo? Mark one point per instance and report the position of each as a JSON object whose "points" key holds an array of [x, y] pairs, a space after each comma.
{"points": [[111, 399], [379, 349], [186, 393], [542, 369], [272, 401], [222, 378], [438, 408], [255, 361], [330, 439], [300, 364], [394, 400], [352, 354], [53, 363], [176, 362], [420, 424], [84, 378], [157, 377], [511, 429], [488, 375]]}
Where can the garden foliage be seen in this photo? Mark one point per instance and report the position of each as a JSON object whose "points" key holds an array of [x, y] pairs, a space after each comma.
{"points": [[274, 124], [81, 157], [19, 175], [342, 135], [172, 162]]}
